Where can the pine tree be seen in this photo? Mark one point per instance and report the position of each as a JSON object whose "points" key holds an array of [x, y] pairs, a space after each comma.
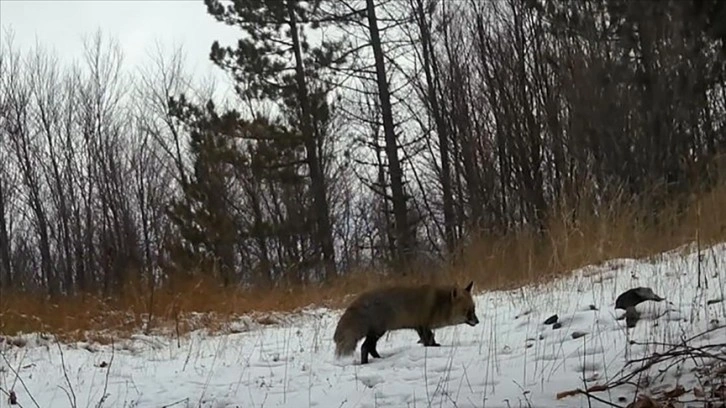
{"points": [[274, 61], [203, 215]]}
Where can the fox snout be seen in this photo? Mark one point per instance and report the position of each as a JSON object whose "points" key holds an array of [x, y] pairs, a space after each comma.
{"points": [[471, 318]]}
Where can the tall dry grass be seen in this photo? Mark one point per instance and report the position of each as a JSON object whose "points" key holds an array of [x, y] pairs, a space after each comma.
{"points": [[493, 263], [621, 231]]}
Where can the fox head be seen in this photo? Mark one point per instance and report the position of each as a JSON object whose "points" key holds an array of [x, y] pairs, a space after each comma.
{"points": [[462, 305]]}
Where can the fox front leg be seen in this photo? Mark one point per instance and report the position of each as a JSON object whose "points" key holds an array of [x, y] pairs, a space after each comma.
{"points": [[426, 336]]}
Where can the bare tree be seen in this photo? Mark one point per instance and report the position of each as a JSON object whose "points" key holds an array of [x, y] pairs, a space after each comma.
{"points": [[403, 239], [22, 137], [105, 124], [6, 180]]}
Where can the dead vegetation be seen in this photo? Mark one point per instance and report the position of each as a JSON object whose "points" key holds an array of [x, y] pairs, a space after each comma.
{"points": [[653, 375], [494, 263]]}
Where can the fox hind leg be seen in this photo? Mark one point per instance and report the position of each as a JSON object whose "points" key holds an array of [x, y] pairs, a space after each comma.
{"points": [[372, 347], [426, 336], [369, 347]]}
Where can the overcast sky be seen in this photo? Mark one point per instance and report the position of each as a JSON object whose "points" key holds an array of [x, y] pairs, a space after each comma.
{"points": [[136, 24]]}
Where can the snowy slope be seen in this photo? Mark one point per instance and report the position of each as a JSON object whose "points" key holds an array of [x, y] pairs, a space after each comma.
{"points": [[510, 359]]}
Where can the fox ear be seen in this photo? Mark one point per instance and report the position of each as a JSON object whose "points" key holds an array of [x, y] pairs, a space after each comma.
{"points": [[454, 293], [468, 287]]}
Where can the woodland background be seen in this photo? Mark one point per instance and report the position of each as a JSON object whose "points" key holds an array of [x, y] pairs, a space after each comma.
{"points": [[506, 140]]}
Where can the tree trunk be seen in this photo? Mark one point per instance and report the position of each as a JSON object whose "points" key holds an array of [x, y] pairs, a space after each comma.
{"points": [[441, 129], [324, 234], [6, 277], [394, 165]]}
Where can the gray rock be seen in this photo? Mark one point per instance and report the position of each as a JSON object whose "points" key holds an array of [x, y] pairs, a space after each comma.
{"points": [[552, 319], [578, 334]]}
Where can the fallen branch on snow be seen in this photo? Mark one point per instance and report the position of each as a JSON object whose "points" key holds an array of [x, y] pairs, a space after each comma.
{"points": [[708, 361]]}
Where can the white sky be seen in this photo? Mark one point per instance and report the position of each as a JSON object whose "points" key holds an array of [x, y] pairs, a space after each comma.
{"points": [[136, 24]]}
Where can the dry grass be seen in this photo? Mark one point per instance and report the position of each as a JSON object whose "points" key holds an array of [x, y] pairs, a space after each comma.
{"points": [[513, 260], [526, 257]]}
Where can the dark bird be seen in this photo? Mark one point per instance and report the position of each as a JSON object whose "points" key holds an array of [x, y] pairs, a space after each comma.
{"points": [[634, 296]]}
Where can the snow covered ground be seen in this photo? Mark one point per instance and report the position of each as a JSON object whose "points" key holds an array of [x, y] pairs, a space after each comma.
{"points": [[510, 359]]}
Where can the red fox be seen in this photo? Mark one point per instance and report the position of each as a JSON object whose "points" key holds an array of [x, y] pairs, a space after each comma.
{"points": [[421, 308]]}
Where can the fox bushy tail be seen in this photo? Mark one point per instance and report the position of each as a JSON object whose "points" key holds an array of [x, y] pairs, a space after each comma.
{"points": [[350, 329]]}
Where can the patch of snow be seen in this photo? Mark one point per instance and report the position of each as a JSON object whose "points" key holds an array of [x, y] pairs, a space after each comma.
{"points": [[510, 359]]}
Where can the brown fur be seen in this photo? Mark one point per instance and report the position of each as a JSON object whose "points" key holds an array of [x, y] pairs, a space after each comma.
{"points": [[421, 308]]}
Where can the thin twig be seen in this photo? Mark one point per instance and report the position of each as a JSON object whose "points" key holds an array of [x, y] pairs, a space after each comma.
{"points": [[70, 393], [603, 400], [181, 401], [104, 395], [19, 378], [7, 394]]}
